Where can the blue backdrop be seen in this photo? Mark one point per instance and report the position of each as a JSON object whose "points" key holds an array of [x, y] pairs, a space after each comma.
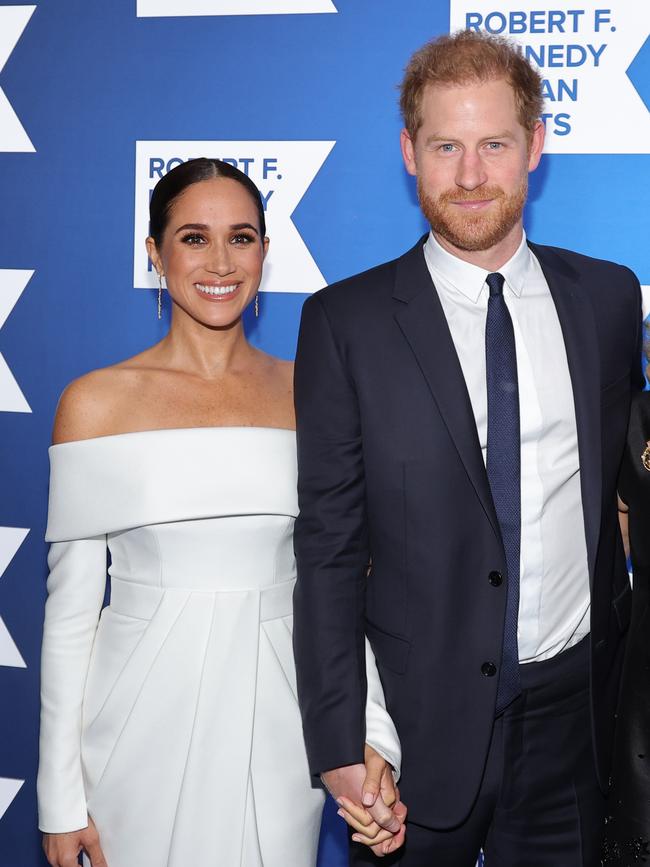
{"points": [[310, 87]]}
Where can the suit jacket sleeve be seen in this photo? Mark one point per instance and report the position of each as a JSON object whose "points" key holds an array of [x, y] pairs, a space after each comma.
{"points": [[332, 552], [638, 379]]}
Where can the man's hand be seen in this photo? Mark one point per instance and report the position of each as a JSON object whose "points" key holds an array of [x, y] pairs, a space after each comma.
{"points": [[365, 794]]}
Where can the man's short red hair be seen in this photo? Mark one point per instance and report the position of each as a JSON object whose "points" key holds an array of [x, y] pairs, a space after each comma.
{"points": [[467, 57]]}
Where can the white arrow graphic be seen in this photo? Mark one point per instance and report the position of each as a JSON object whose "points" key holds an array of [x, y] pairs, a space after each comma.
{"points": [[8, 791], [177, 8], [282, 170], [12, 285], [13, 20], [11, 538], [583, 54]]}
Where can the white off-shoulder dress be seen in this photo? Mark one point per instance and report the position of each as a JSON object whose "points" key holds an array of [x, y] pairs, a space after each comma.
{"points": [[170, 716]]}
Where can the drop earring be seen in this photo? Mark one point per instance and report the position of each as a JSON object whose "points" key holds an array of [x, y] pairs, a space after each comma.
{"points": [[257, 305], [160, 276]]}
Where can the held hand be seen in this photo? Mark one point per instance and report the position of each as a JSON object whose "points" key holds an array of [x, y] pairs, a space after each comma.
{"points": [[354, 785], [62, 850], [348, 782], [379, 780], [379, 784], [368, 832]]}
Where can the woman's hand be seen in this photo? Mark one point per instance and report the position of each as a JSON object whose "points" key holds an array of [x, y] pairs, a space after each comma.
{"points": [[62, 850], [368, 832], [379, 779]]}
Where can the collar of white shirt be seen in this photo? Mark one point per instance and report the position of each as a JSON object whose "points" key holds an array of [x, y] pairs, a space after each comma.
{"points": [[470, 279]]}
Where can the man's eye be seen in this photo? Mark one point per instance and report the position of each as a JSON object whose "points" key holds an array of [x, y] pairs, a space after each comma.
{"points": [[494, 145], [447, 148], [193, 239]]}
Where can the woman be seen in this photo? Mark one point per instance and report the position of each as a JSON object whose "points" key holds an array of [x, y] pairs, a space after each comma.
{"points": [[627, 840], [170, 733]]}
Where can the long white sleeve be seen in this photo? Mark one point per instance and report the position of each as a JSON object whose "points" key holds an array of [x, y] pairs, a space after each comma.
{"points": [[381, 733], [75, 594]]}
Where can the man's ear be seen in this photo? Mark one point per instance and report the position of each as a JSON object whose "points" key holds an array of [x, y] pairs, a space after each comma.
{"points": [[536, 146], [408, 151]]}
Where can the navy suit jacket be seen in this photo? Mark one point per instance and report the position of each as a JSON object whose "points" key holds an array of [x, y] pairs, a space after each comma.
{"points": [[390, 470]]}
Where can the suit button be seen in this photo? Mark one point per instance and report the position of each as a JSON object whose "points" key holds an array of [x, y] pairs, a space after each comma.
{"points": [[488, 669], [495, 579]]}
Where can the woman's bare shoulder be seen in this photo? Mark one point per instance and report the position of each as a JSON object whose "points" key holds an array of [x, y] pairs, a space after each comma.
{"points": [[88, 406]]}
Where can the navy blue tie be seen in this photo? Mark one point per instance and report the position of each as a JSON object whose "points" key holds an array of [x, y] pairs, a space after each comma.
{"points": [[504, 471]]}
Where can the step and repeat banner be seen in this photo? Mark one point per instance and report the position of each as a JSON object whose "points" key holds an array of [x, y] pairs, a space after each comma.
{"points": [[100, 100]]}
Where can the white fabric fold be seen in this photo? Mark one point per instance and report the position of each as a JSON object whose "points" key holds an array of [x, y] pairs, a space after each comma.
{"points": [[112, 483]]}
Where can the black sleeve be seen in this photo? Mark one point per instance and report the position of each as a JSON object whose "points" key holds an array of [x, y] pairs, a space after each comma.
{"points": [[331, 542]]}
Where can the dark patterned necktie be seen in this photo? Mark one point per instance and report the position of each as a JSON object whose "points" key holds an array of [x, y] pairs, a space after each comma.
{"points": [[503, 470]]}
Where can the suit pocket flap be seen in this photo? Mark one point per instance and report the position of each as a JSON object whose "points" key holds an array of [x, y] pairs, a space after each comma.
{"points": [[390, 651], [623, 607]]}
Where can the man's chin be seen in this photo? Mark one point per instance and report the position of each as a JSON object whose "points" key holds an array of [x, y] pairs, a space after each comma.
{"points": [[471, 241]]}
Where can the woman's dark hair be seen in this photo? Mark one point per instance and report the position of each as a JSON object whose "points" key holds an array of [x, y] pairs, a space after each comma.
{"points": [[175, 182]]}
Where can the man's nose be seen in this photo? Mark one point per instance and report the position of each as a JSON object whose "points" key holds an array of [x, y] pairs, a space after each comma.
{"points": [[471, 171]]}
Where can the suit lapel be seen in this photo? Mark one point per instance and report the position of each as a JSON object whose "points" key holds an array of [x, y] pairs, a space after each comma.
{"points": [[422, 320], [424, 325], [578, 325]]}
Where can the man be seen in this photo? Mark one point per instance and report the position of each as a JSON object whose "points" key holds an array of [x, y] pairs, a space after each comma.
{"points": [[461, 418]]}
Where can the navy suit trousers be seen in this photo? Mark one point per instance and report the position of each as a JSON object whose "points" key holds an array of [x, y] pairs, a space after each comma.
{"points": [[539, 804]]}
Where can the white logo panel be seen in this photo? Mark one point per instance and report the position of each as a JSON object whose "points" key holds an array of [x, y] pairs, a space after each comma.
{"points": [[13, 20], [582, 54], [11, 538], [177, 8], [8, 791], [282, 170], [12, 285]]}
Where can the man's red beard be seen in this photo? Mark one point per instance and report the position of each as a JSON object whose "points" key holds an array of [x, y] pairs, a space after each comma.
{"points": [[469, 230]]}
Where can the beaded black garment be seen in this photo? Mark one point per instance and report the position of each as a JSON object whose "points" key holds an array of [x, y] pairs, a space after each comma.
{"points": [[627, 830]]}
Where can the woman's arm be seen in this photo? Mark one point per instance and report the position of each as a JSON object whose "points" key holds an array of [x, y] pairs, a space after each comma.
{"points": [[75, 595], [381, 733], [76, 587]]}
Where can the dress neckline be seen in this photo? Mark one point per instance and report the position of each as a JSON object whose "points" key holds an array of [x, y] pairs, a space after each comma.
{"points": [[175, 430]]}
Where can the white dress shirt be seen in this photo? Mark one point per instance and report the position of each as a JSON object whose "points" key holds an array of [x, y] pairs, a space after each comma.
{"points": [[554, 581]]}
